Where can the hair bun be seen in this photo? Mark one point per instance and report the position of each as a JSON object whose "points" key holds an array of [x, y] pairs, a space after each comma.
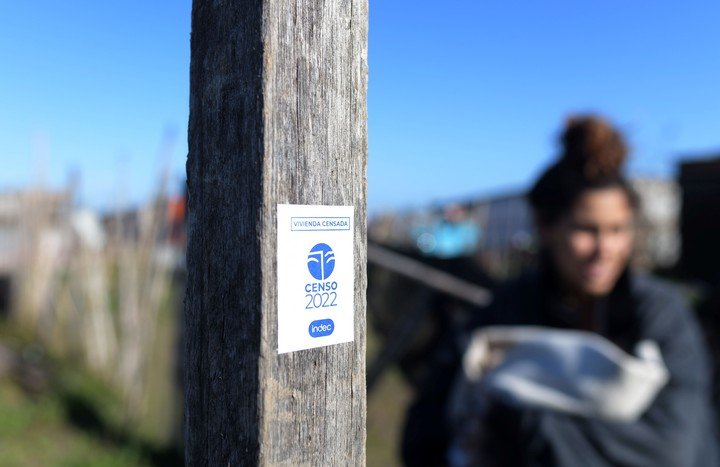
{"points": [[593, 147]]}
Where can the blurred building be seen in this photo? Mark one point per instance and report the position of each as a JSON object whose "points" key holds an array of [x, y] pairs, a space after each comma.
{"points": [[700, 222], [40, 228], [506, 240], [658, 230], [31, 224], [21, 211]]}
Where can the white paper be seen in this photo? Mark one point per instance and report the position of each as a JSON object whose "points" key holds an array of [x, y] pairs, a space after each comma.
{"points": [[315, 276]]}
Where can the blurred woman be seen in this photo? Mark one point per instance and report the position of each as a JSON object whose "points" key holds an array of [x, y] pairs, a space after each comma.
{"points": [[585, 213]]}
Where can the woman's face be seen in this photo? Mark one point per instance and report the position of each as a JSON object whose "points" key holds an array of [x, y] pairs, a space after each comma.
{"points": [[592, 244]]}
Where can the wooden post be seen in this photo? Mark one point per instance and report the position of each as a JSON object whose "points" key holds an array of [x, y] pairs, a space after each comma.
{"points": [[277, 116]]}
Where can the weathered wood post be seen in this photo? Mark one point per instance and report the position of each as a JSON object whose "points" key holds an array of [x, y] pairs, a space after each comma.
{"points": [[277, 116]]}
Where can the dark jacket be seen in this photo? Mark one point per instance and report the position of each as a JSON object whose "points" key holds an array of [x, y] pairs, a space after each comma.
{"points": [[676, 431]]}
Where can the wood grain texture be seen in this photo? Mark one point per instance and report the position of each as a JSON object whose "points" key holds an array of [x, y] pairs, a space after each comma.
{"points": [[277, 116]]}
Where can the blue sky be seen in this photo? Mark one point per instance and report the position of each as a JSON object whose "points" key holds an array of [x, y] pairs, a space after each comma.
{"points": [[465, 97], [99, 88]]}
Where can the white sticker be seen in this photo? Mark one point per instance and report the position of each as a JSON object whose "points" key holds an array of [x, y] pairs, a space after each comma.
{"points": [[316, 276]]}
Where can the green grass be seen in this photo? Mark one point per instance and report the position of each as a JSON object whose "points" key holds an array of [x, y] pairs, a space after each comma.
{"points": [[386, 412], [68, 419], [77, 420]]}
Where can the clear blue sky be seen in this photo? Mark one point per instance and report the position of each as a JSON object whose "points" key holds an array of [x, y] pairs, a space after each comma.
{"points": [[465, 97]]}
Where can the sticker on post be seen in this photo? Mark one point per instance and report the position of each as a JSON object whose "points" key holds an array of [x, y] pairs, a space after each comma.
{"points": [[315, 276]]}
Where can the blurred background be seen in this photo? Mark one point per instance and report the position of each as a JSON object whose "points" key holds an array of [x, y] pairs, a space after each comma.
{"points": [[465, 103]]}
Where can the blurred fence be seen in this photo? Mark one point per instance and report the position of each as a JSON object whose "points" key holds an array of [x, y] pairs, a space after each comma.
{"points": [[93, 289]]}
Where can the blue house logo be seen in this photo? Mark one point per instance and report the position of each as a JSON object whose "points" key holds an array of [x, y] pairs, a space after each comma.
{"points": [[321, 261]]}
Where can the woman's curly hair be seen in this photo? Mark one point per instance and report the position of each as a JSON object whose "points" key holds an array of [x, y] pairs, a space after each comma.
{"points": [[592, 157]]}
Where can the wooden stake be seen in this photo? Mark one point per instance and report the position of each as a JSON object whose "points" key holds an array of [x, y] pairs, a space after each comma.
{"points": [[277, 116]]}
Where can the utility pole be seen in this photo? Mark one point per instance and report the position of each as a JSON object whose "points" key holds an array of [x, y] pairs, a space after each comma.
{"points": [[277, 116]]}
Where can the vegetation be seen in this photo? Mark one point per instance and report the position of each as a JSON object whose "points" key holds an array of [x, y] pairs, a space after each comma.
{"points": [[53, 413]]}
